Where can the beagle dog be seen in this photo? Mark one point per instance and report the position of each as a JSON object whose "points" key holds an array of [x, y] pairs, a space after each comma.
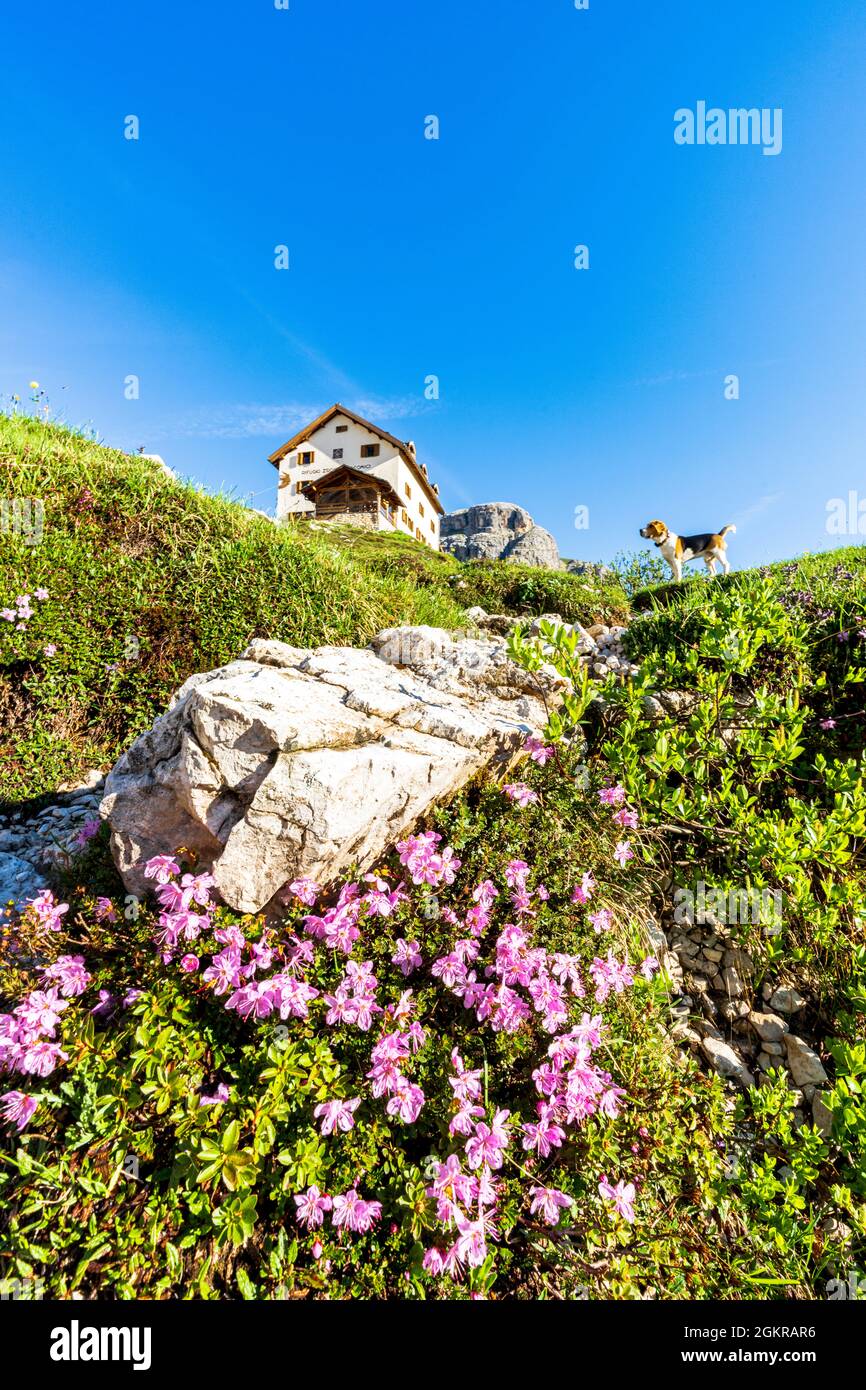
{"points": [[678, 549]]}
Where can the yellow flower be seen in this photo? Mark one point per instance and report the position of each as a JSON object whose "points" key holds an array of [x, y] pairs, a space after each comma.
{"points": [[34, 386]]}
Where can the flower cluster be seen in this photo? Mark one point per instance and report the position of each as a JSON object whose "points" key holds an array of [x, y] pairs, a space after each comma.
{"points": [[623, 818], [420, 855], [519, 792], [27, 1035], [539, 752], [348, 1210], [405, 1099], [21, 614], [48, 910], [509, 981]]}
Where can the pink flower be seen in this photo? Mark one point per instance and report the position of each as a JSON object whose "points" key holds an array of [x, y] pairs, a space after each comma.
{"points": [[306, 890], [549, 1201], [18, 1108], [584, 890], [41, 594], [50, 649], [407, 956], [425, 862], [542, 1137], [828, 723], [472, 1244], [610, 976], [161, 867], [337, 1114], [648, 967], [519, 792], [628, 820], [612, 796], [70, 974], [487, 1143], [219, 1097], [433, 1262], [87, 831], [312, 1206], [601, 920], [353, 1212], [48, 910], [623, 852], [538, 751], [622, 1196], [189, 964], [407, 1102], [104, 910], [40, 1058]]}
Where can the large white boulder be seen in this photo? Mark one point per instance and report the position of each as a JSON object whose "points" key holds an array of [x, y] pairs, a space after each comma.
{"points": [[293, 762]]}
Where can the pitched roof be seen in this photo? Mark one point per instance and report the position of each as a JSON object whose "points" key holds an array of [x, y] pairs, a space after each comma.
{"points": [[313, 484], [399, 444]]}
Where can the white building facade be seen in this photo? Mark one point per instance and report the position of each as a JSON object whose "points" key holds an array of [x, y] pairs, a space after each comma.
{"points": [[343, 467]]}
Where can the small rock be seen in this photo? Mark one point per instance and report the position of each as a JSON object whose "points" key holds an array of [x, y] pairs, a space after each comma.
{"points": [[699, 984], [836, 1229], [768, 1027], [19, 880], [787, 1001], [706, 1029], [724, 1060], [805, 1065], [739, 960], [734, 1009], [732, 982], [822, 1116]]}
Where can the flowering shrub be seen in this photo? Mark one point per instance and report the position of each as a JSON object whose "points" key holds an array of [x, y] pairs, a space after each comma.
{"points": [[415, 1084], [493, 968]]}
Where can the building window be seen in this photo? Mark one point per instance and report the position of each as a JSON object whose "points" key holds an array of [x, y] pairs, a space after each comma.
{"points": [[305, 459], [405, 515], [420, 508], [408, 490], [369, 451], [337, 454], [341, 429], [433, 527]]}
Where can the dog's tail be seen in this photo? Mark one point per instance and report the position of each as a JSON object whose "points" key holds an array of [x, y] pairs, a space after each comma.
{"points": [[725, 529]]}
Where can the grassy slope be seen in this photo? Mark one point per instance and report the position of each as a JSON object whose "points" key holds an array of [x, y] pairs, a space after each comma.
{"points": [[150, 580], [193, 578]]}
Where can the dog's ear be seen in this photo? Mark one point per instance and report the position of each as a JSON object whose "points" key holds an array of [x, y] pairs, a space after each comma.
{"points": [[657, 529]]}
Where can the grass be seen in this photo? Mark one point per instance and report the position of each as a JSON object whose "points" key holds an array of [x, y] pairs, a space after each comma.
{"points": [[151, 580]]}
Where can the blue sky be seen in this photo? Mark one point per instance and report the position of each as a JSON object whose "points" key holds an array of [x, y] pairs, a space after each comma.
{"points": [[412, 257]]}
